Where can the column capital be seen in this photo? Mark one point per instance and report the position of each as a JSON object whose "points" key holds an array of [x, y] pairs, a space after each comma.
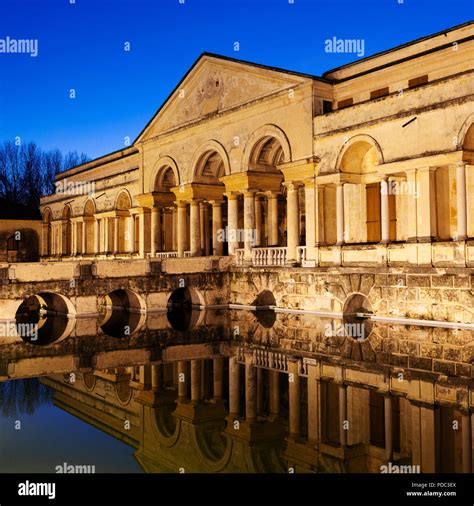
{"points": [[249, 193], [216, 203], [271, 194], [232, 195], [293, 185]]}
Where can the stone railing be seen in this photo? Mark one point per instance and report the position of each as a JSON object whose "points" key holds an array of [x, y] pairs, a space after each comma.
{"points": [[275, 256], [239, 256], [301, 254], [264, 358], [166, 254]]}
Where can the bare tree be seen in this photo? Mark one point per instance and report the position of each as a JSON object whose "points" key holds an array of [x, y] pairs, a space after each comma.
{"points": [[27, 173]]}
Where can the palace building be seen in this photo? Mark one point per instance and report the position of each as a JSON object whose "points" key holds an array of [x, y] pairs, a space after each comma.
{"points": [[368, 164], [291, 203]]}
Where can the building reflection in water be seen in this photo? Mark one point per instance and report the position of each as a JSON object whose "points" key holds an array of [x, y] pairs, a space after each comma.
{"points": [[224, 392]]}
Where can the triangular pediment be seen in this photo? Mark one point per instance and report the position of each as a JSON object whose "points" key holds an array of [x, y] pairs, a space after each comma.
{"points": [[216, 84]]}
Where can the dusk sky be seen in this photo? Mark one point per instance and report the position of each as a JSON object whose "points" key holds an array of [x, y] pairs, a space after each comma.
{"points": [[81, 47]]}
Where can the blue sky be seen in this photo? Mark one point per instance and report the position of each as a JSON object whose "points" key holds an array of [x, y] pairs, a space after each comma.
{"points": [[50, 437], [81, 47]]}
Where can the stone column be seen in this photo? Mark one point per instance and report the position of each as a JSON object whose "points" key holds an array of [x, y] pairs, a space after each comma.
{"points": [[145, 376], [155, 230], [84, 238], [342, 414], [250, 388], [131, 234], [116, 234], [260, 392], [73, 238], [182, 381], [249, 225], [311, 217], [195, 381], [427, 433], [202, 226], [141, 230], [313, 403], [195, 240], [411, 205], [294, 399], [461, 202], [156, 383], [234, 392], [181, 228], [217, 377], [105, 223], [258, 221], [217, 237], [274, 394], [293, 222], [466, 443], [426, 205], [388, 420], [272, 218], [174, 235], [96, 236], [340, 213], [384, 213], [233, 221]]}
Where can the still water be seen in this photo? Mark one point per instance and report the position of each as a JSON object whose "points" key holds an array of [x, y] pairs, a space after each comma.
{"points": [[217, 391]]}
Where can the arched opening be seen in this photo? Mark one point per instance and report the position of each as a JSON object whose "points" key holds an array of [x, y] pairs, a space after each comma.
{"points": [[468, 155], [270, 202], [166, 219], [66, 229], [47, 250], [212, 215], [356, 320], [45, 318], [88, 228], [122, 224], [366, 199], [185, 309], [264, 313], [12, 249], [122, 313]]}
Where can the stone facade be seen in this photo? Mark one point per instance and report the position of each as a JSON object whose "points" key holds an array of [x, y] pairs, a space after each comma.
{"points": [[255, 186]]}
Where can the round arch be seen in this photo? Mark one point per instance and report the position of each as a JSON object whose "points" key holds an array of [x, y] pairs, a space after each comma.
{"points": [[123, 201], [364, 152], [164, 162], [465, 136], [47, 214], [262, 135], [199, 156], [89, 207]]}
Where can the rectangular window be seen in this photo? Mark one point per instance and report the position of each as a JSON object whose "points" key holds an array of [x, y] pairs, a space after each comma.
{"points": [[417, 81], [377, 419], [382, 92], [345, 103], [327, 106], [330, 412]]}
